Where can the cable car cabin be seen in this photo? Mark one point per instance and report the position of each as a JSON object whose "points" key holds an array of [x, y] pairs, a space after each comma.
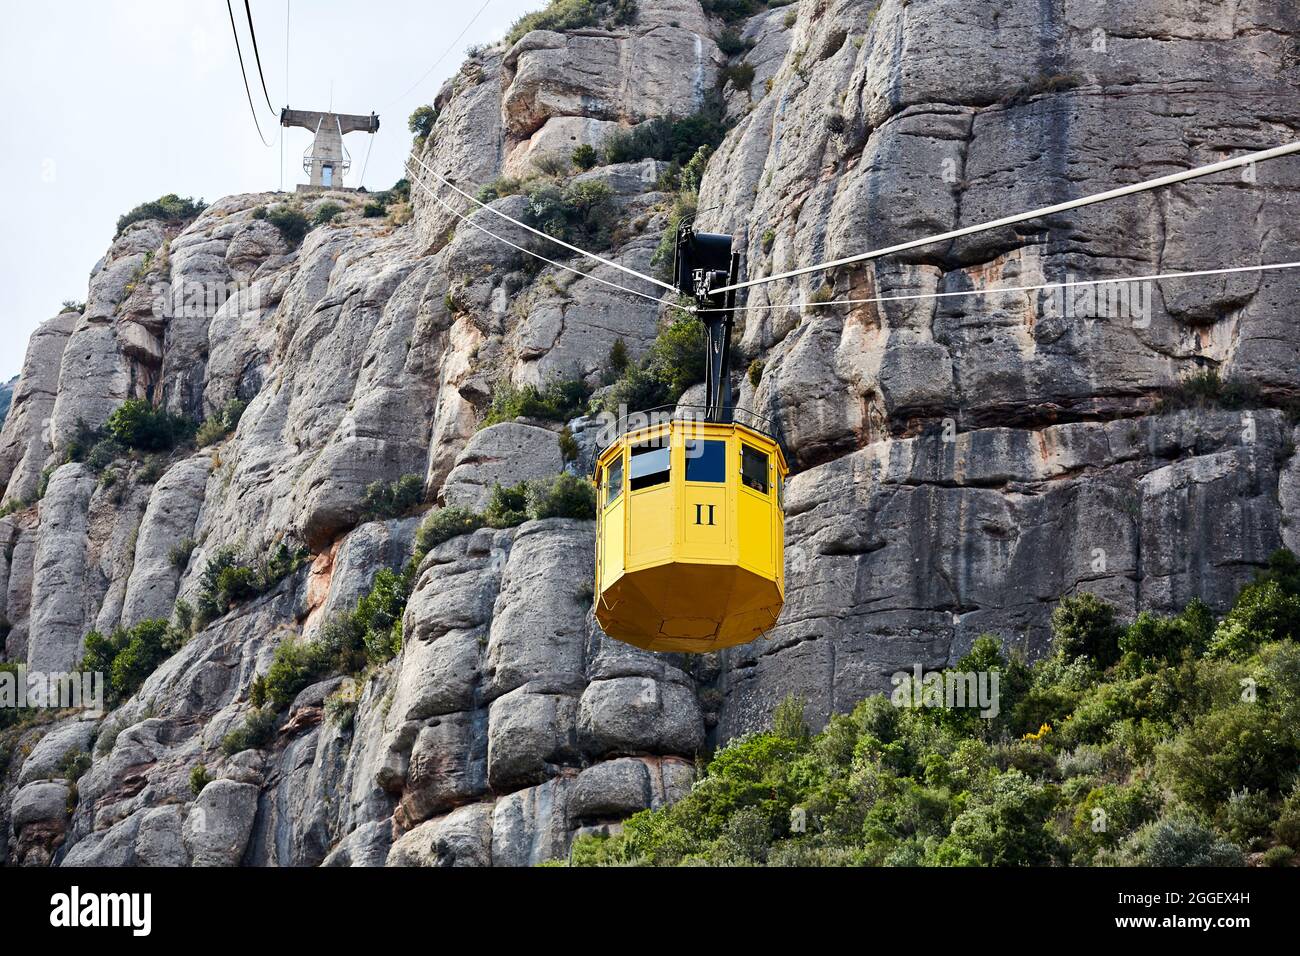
{"points": [[690, 542]]}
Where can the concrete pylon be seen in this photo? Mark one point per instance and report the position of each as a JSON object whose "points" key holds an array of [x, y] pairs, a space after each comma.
{"points": [[326, 162]]}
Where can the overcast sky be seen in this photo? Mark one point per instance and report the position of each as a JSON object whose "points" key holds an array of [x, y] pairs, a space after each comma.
{"points": [[109, 103]]}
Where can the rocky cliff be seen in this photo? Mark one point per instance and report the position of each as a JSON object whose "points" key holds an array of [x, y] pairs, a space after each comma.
{"points": [[960, 464]]}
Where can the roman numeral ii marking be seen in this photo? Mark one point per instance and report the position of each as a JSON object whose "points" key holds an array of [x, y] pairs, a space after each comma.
{"points": [[699, 514]]}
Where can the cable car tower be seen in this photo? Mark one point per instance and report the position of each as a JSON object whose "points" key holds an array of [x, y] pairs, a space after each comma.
{"points": [[326, 161], [690, 538]]}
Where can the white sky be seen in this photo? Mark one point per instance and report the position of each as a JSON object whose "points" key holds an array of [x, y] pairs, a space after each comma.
{"points": [[109, 103]]}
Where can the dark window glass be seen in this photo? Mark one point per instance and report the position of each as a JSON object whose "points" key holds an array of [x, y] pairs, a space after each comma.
{"points": [[649, 467], [753, 468], [706, 461], [614, 485]]}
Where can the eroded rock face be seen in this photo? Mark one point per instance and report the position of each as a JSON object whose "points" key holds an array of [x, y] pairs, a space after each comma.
{"points": [[960, 463], [25, 439], [503, 454]]}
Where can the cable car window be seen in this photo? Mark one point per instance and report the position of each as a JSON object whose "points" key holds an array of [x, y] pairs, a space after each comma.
{"points": [[706, 461], [614, 480], [753, 468], [649, 467]]}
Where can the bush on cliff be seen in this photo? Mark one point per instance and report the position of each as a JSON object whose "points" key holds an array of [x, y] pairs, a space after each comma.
{"points": [[672, 365], [126, 657], [560, 15], [169, 208], [137, 424]]}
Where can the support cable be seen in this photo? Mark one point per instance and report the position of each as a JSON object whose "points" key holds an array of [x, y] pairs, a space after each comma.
{"points": [[910, 297], [559, 265], [248, 13], [244, 75], [537, 232], [442, 56], [1196, 173]]}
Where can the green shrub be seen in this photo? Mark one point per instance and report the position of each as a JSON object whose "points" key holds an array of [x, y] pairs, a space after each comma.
{"points": [[618, 359], [374, 210], [1245, 746], [1085, 625], [137, 424], [556, 401], [570, 450], [1152, 641], [326, 213], [228, 580], [1287, 827], [1277, 856], [734, 10], [379, 615], [169, 208], [1005, 827], [1123, 809], [1178, 841], [787, 719], [507, 507], [74, 765], [83, 441], [668, 138], [1247, 818], [584, 156], [739, 75], [253, 734], [1207, 390], [755, 373], [290, 221], [127, 657], [199, 779], [561, 15], [552, 165], [421, 121], [581, 212], [103, 453], [672, 365], [1263, 612], [395, 499], [238, 583], [442, 525], [220, 424], [730, 42], [564, 496], [340, 710], [662, 258], [499, 188], [295, 666]]}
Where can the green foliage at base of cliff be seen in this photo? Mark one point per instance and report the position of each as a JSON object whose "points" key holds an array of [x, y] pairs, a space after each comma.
{"points": [[1173, 741]]}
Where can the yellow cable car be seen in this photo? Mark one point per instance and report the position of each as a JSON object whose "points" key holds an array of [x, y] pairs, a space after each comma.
{"points": [[690, 536], [690, 543]]}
